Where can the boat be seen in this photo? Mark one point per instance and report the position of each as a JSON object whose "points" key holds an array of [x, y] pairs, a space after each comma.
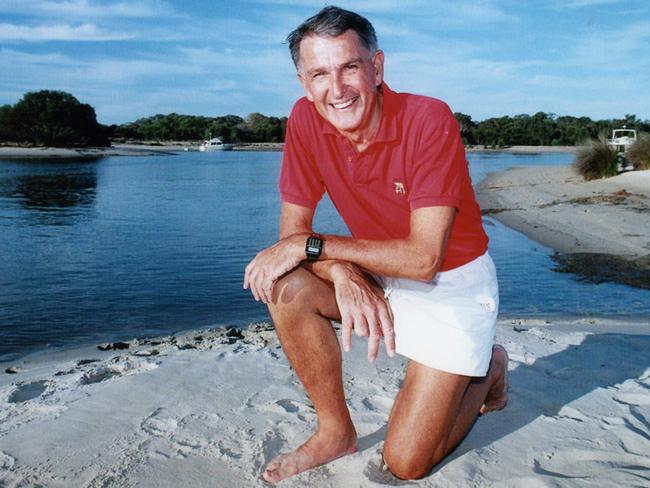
{"points": [[215, 144], [621, 141]]}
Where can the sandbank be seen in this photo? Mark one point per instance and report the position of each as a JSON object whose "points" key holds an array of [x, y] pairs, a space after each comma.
{"points": [[211, 407], [601, 228]]}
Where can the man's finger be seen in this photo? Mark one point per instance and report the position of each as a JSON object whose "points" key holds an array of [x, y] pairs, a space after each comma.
{"points": [[388, 332], [346, 332], [361, 326], [268, 290], [374, 341]]}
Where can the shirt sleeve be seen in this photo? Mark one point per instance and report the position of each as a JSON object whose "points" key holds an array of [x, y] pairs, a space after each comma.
{"points": [[300, 180], [437, 168]]}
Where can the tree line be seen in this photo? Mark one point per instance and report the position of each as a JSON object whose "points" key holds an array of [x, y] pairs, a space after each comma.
{"points": [[229, 128], [55, 118], [541, 129]]}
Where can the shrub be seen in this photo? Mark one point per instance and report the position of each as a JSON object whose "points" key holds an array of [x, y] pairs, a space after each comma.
{"points": [[51, 118], [596, 160], [639, 152]]}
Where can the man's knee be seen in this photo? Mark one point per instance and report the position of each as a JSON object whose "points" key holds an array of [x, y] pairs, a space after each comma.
{"points": [[297, 291], [409, 465]]}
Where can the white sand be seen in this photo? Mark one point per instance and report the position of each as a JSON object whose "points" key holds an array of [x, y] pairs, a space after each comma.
{"points": [[555, 206], [579, 414]]}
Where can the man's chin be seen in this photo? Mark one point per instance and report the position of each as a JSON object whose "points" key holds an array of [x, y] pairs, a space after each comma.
{"points": [[344, 125]]}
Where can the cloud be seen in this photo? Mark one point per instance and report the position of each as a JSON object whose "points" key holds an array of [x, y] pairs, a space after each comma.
{"points": [[587, 3], [88, 9], [60, 32], [436, 11]]}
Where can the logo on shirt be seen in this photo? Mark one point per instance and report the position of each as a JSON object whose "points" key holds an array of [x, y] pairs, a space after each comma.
{"points": [[399, 188]]}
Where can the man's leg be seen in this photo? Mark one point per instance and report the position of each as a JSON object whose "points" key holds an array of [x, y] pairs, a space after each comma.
{"points": [[433, 412], [301, 304]]}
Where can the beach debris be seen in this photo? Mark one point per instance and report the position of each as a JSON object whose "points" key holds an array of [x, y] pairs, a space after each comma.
{"points": [[14, 370], [65, 372], [233, 334], [601, 267], [110, 346], [147, 352], [82, 362]]}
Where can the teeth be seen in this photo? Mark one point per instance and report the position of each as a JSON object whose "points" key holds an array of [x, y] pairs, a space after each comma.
{"points": [[344, 104]]}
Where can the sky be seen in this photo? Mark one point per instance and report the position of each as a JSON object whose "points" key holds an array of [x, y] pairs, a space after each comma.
{"points": [[485, 58]]}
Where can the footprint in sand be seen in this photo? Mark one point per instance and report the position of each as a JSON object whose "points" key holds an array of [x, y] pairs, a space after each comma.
{"points": [[28, 391], [157, 425], [107, 371]]}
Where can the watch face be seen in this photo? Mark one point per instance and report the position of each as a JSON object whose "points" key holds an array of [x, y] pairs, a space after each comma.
{"points": [[314, 247]]}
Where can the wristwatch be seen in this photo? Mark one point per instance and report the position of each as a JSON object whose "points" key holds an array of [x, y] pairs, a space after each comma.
{"points": [[314, 247]]}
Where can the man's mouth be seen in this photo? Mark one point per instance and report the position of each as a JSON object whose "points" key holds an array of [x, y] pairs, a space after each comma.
{"points": [[344, 104]]}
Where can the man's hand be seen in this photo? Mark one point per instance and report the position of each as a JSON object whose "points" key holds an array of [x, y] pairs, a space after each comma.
{"points": [[363, 309], [273, 262]]}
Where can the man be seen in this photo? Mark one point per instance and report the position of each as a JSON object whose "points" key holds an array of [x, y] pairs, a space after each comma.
{"points": [[415, 273]]}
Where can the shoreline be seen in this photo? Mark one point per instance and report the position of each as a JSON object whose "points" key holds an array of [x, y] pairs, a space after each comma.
{"points": [[205, 405], [600, 228], [169, 148], [150, 148]]}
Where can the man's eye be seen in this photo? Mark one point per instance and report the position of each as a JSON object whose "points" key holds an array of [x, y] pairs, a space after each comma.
{"points": [[317, 75], [352, 67]]}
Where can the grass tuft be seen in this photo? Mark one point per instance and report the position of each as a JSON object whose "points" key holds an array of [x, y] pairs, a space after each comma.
{"points": [[639, 152], [596, 160]]}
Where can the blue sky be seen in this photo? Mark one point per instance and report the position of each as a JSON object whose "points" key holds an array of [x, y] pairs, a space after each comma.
{"points": [[135, 58]]}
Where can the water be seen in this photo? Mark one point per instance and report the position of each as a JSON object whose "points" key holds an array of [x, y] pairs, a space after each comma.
{"points": [[123, 247]]}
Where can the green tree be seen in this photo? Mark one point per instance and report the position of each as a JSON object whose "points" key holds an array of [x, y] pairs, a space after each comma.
{"points": [[53, 118]]}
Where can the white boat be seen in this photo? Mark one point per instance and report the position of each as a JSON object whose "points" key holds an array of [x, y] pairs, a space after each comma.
{"points": [[215, 144], [621, 141]]}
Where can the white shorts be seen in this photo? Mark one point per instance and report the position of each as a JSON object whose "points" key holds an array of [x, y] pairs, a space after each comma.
{"points": [[448, 323]]}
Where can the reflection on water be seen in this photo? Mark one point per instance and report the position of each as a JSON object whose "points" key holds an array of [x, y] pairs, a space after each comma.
{"points": [[45, 192], [52, 193], [135, 246]]}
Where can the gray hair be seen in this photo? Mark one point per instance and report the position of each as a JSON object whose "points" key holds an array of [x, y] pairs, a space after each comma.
{"points": [[332, 21]]}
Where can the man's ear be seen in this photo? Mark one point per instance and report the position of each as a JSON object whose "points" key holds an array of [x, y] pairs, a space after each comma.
{"points": [[378, 63], [303, 82]]}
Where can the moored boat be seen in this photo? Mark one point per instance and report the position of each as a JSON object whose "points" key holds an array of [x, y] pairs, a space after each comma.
{"points": [[215, 144]]}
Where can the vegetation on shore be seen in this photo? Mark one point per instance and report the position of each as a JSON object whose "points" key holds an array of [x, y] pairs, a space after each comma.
{"points": [[639, 152], [229, 128], [541, 129], [596, 160], [53, 118]]}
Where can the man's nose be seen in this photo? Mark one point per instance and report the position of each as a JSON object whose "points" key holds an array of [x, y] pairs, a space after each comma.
{"points": [[337, 86]]}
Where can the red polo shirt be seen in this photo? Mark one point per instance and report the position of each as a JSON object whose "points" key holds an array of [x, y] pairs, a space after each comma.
{"points": [[416, 160]]}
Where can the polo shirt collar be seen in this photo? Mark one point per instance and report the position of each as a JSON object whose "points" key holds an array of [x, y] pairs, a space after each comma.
{"points": [[388, 125]]}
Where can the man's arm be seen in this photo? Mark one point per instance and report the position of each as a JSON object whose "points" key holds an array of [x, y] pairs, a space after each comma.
{"points": [[418, 256], [362, 306], [360, 300]]}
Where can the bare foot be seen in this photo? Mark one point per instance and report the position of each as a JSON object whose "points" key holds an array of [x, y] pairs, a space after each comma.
{"points": [[497, 397], [319, 449]]}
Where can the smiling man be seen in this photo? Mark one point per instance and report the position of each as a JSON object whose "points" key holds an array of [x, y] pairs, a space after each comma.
{"points": [[415, 274]]}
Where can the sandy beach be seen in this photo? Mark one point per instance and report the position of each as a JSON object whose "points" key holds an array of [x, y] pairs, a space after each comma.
{"points": [[211, 407], [600, 227]]}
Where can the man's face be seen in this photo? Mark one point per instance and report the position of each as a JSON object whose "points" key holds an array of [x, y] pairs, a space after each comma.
{"points": [[341, 79]]}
